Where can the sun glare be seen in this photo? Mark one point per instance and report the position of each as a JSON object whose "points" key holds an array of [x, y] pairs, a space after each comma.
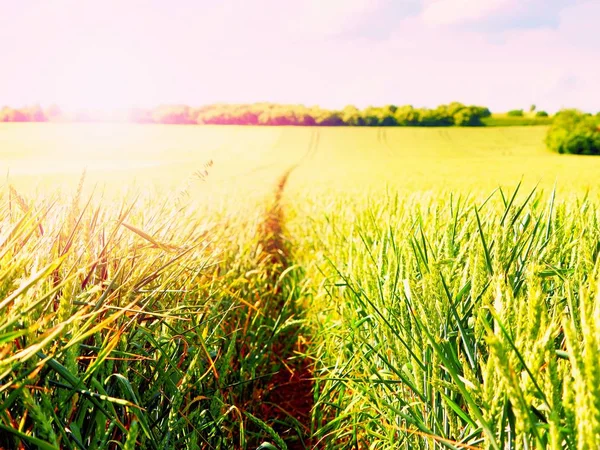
{"points": [[103, 78]]}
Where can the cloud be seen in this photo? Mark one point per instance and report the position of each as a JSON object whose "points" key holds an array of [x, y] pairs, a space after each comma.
{"points": [[309, 19], [144, 53], [553, 67], [443, 12], [491, 16]]}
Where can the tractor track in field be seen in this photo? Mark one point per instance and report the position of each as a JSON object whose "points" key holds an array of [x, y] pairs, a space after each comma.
{"points": [[313, 145], [288, 395], [382, 139]]}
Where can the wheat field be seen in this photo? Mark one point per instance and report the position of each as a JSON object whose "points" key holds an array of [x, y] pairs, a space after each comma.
{"points": [[236, 287]]}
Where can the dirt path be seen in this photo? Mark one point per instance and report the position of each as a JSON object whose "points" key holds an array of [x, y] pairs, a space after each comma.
{"points": [[288, 396], [382, 140]]}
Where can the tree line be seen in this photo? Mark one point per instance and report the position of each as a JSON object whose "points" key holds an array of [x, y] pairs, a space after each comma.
{"points": [[453, 114], [574, 132]]}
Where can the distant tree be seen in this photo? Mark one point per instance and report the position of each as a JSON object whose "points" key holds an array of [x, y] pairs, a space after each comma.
{"points": [[329, 119], [574, 132], [12, 115], [53, 112], [138, 115], [469, 117], [435, 117], [371, 117], [452, 108], [303, 118], [407, 116], [482, 111], [245, 116], [515, 113], [352, 116], [4, 114], [541, 114], [283, 116], [391, 108], [35, 114], [174, 114], [387, 120], [532, 108], [268, 114], [386, 116]]}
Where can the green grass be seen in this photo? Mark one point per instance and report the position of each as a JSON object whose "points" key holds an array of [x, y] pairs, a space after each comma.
{"points": [[439, 298], [504, 120]]}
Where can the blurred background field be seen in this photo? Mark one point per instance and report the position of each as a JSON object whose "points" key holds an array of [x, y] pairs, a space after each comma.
{"points": [[42, 156]]}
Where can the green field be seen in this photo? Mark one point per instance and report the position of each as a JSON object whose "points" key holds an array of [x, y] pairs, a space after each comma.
{"points": [[504, 120], [417, 159], [316, 287]]}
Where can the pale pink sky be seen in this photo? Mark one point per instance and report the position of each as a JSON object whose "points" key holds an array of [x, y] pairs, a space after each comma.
{"points": [[119, 53]]}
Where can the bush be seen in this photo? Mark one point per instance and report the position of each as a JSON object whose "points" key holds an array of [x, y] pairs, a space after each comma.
{"points": [[542, 114], [515, 113], [471, 116], [482, 111], [574, 132]]}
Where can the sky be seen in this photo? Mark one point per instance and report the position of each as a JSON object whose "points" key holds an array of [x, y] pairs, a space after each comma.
{"points": [[108, 54]]}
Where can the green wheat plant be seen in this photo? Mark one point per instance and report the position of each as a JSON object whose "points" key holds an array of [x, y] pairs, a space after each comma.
{"points": [[136, 323], [455, 323]]}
